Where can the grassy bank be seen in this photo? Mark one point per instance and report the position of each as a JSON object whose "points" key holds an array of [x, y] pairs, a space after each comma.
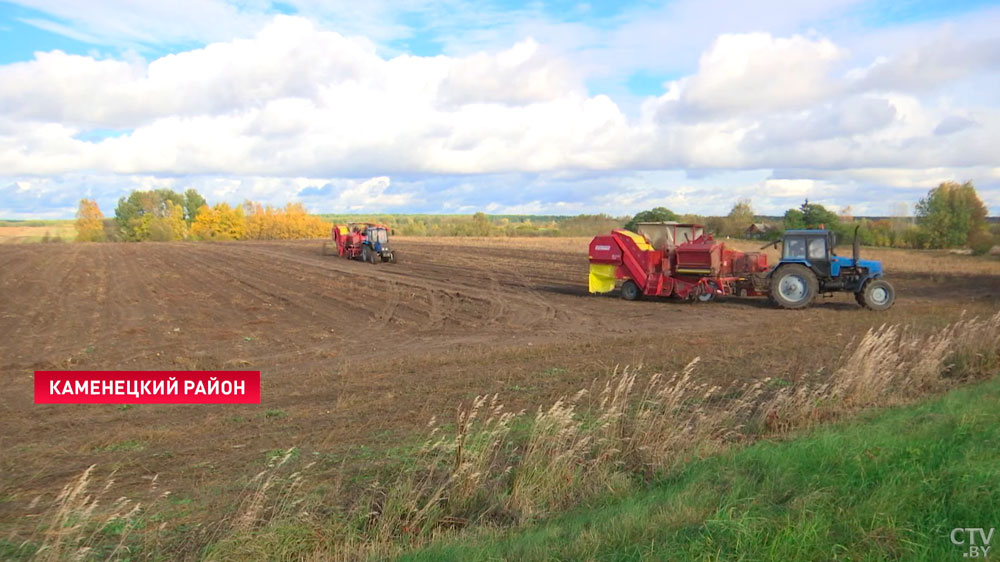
{"points": [[885, 486]]}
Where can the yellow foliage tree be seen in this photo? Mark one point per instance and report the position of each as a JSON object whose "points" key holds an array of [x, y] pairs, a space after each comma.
{"points": [[220, 222], [291, 222], [89, 222], [171, 226]]}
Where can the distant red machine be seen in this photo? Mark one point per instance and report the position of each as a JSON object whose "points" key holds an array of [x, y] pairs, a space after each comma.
{"points": [[673, 259], [363, 241]]}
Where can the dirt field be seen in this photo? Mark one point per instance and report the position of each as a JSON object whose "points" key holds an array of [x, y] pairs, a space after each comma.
{"points": [[357, 358]]}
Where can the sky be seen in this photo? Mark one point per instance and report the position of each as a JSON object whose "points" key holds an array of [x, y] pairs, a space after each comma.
{"points": [[452, 106]]}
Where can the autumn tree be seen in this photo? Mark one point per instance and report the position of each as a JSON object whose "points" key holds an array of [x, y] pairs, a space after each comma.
{"points": [[740, 217], [89, 222], [480, 224], [136, 214], [220, 222], [951, 214], [171, 226], [290, 222]]}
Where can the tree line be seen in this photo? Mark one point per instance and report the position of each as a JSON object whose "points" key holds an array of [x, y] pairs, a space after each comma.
{"points": [[163, 215], [951, 215]]}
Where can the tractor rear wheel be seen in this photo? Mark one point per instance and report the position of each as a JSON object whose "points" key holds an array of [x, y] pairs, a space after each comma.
{"points": [[630, 291], [877, 294], [366, 254], [794, 286]]}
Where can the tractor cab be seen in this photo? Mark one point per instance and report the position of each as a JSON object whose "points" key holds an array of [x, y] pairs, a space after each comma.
{"points": [[815, 248], [377, 235], [376, 242], [809, 266]]}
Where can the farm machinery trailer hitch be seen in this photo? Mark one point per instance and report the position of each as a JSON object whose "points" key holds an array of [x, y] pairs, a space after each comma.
{"points": [[681, 260]]}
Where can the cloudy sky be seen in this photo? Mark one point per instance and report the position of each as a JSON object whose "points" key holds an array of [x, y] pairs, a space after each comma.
{"points": [[541, 107]]}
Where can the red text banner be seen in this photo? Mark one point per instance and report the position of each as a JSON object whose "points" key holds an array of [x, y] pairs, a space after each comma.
{"points": [[147, 387]]}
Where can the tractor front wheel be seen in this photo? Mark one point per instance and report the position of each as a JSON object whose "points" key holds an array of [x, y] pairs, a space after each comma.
{"points": [[630, 291], [877, 294], [794, 286]]}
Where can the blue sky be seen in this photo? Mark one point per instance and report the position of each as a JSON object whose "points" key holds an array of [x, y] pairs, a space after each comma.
{"points": [[453, 106]]}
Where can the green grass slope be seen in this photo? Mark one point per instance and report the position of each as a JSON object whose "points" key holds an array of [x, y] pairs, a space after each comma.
{"points": [[886, 486]]}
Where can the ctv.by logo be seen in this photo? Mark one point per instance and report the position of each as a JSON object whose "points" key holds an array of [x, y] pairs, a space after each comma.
{"points": [[978, 541]]}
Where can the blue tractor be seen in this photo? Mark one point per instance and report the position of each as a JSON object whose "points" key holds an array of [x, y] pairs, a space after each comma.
{"points": [[809, 267]]}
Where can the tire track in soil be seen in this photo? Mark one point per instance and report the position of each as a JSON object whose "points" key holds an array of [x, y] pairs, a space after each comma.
{"points": [[251, 306], [439, 304], [49, 307], [309, 314], [464, 302], [226, 306]]}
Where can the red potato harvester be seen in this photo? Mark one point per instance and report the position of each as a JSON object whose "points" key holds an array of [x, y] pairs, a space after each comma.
{"points": [[673, 259], [361, 241]]}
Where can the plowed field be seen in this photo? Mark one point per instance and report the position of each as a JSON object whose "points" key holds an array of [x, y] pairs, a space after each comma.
{"points": [[356, 357]]}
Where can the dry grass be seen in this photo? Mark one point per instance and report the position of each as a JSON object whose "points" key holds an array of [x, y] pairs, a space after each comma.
{"points": [[85, 523], [65, 231]]}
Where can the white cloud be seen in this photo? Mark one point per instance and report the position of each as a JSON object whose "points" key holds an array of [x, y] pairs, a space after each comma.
{"points": [[758, 72], [295, 108], [932, 63]]}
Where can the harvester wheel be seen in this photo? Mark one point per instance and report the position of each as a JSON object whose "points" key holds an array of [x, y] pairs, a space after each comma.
{"points": [[708, 295], [794, 286], [630, 291], [877, 294]]}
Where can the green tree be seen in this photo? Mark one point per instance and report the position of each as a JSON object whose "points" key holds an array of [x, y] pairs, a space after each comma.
{"points": [[193, 202], [136, 212], [794, 219], [658, 214], [950, 214], [811, 215], [816, 216]]}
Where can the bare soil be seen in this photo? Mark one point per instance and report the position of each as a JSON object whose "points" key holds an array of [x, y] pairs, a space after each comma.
{"points": [[357, 358]]}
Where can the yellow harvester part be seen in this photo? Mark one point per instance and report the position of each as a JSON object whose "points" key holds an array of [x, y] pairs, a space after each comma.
{"points": [[639, 240], [601, 278]]}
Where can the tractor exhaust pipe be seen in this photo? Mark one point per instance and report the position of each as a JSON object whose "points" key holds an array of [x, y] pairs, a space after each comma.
{"points": [[857, 246]]}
